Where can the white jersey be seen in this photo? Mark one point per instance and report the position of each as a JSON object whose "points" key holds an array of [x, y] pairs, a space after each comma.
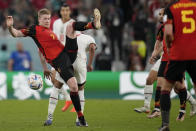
{"points": [[83, 41], [79, 65], [83, 45], [59, 28]]}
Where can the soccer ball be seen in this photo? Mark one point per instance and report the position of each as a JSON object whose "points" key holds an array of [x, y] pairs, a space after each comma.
{"points": [[35, 81]]}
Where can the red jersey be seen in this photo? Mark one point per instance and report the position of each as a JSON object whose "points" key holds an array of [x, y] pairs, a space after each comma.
{"points": [[46, 40], [182, 15], [159, 37]]}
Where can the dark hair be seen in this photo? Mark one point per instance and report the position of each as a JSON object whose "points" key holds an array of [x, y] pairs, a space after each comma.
{"points": [[62, 5]]}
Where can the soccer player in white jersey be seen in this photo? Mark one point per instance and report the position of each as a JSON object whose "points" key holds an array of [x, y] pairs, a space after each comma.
{"points": [[152, 76], [85, 44]]}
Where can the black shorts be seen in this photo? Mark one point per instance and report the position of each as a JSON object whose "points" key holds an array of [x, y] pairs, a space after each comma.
{"points": [[162, 68], [71, 48], [63, 65], [175, 70]]}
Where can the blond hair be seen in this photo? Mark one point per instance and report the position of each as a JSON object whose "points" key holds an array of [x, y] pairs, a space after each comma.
{"points": [[43, 11]]}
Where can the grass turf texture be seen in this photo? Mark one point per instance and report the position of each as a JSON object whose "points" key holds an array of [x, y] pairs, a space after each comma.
{"points": [[102, 115]]}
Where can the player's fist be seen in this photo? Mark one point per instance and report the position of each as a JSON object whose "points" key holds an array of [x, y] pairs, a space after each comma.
{"points": [[9, 21], [47, 74], [152, 60]]}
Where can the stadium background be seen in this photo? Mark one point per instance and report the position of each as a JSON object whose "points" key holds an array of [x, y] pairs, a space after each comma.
{"points": [[121, 75], [131, 24]]}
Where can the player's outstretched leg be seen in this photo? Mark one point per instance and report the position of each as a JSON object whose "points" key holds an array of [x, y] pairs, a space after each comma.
{"points": [[148, 90], [96, 24]]}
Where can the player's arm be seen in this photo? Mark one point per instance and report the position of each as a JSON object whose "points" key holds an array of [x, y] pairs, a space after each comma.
{"points": [[168, 33], [14, 32], [47, 72], [156, 52], [92, 48]]}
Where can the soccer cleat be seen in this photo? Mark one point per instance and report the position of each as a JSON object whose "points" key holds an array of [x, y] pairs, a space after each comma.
{"points": [[155, 113], [181, 115], [164, 128], [73, 110], [66, 106], [193, 110], [77, 123], [82, 121], [97, 19], [48, 123], [142, 110]]}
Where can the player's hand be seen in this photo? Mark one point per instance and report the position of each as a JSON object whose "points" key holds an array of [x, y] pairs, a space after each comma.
{"points": [[89, 68], [152, 60], [9, 21], [47, 74]]}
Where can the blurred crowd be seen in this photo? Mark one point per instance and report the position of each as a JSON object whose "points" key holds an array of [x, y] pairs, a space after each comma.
{"points": [[125, 41]]}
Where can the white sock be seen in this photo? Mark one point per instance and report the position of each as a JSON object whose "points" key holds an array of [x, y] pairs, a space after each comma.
{"points": [[190, 98], [82, 101], [66, 94], [148, 90], [53, 100]]}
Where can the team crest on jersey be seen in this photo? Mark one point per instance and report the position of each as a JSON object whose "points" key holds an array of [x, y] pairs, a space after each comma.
{"points": [[53, 37]]}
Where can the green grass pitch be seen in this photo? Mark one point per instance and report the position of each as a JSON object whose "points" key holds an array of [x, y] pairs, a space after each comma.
{"points": [[102, 115]]}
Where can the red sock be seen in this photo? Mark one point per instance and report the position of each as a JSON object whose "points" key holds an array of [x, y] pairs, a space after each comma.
{"points": [[89, 25], [79, 113]]}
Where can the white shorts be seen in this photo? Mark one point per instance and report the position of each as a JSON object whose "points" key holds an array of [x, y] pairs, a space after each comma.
{"points": [[80, 71], [156, 65]]}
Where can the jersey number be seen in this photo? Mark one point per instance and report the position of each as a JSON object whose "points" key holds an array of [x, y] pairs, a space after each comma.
{"points": [[186, 19]]}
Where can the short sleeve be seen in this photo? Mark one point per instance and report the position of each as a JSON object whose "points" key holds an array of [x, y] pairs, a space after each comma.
{"points": [[91, 40], [30, 31]]}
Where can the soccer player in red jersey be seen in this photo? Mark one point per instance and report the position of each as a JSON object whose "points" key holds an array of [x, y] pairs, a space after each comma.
{"points": [[180, 37], [58, 56], [179, 87]]}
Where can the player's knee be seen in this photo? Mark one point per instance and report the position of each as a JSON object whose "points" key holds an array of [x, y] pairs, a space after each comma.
{"points": [[72, 84], [178, 86], [74, 88], [159, 83]]}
